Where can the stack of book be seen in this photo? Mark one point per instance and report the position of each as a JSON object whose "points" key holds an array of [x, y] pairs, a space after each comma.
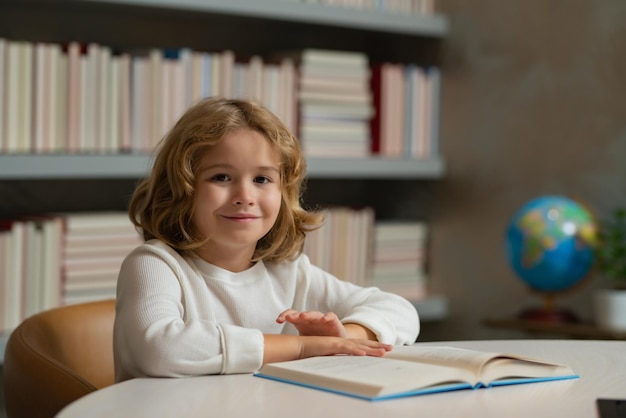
{"points": [[335, 103], [399, 258], [94, 246], [342, 246]]}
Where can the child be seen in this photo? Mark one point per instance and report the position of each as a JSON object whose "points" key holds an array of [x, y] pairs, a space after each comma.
{"points": [[220, 286]]}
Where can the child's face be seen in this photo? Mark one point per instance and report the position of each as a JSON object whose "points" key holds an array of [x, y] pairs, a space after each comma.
{"points": [[238, 193]]}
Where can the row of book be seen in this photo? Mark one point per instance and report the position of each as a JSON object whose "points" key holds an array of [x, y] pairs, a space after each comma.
{"points": [[79, 98], [87, 99], [417, 7], [62, 259], [390, 255], [406, 123]]}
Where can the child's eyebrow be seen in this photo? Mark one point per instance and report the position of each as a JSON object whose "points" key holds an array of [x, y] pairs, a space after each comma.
{"points": [[231, 167], [269, 168], [215, 166]]}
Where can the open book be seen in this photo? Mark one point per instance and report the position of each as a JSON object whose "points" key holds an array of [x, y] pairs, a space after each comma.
{"points": [[414, 370]]}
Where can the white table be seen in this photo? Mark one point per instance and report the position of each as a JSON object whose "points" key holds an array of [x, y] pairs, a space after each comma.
{"points": [[600, 364]]}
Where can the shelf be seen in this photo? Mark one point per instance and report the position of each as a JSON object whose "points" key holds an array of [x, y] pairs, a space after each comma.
{"points": [[28, 167], [379, 168], [575, 330], [308, 13]]}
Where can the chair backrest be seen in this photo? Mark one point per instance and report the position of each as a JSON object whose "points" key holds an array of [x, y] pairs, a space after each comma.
{"points": [[57, 356]]}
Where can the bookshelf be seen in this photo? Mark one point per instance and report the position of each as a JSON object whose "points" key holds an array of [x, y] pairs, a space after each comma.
{"points": [[384, 36], [31, 183], [580, 330]]}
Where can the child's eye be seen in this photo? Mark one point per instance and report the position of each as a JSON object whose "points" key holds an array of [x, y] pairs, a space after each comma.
{"points": [[262, 180], [220, 177]]}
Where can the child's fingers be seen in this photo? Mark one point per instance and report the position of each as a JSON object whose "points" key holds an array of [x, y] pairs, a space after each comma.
{"points": [[282, 317]]}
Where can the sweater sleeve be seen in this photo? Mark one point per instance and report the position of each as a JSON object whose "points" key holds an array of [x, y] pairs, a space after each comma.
{"points": [[392, 318], [164, 328]]}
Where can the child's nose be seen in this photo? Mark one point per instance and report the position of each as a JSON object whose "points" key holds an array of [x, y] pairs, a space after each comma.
{"points": [[243, 194]]}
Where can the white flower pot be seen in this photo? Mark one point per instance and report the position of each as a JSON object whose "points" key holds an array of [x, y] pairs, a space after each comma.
{"points": [[610, 309]]}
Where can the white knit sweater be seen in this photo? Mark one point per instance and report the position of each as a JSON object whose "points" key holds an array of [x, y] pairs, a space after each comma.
{"points": [[181, 316]]}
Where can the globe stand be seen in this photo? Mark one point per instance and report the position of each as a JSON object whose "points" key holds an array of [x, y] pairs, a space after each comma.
{"points": [[549, 313]]}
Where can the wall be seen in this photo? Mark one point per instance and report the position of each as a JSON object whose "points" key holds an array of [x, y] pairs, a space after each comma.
{"points": [[533, 104]]}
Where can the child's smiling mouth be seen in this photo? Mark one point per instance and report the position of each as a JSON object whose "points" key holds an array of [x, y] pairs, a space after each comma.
{"points": [[241, 217]]}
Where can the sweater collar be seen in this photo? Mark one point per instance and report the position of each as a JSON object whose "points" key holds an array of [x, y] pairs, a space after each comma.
{"points": [[211, 271]]}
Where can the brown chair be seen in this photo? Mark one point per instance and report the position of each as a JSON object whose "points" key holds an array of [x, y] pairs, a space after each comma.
{"points": [[57, 356]]}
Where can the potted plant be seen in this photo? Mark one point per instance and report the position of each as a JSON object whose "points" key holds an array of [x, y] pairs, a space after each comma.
{"points": [[610, 302]]}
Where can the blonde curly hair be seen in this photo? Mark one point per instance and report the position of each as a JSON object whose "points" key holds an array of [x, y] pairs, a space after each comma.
{"points": [[162, 204]]}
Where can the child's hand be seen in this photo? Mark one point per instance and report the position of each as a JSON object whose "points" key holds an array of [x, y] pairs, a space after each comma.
{"points": [[291, 347], [314, 323], [328, 346]]}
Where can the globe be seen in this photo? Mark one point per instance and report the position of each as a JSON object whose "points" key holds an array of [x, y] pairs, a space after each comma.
{"points": [[550, 244]]}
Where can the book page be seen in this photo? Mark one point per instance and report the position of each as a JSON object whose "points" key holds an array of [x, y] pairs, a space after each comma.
{"points": [[367, 376], [442, 355], [502, 368], [487, 366]]}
